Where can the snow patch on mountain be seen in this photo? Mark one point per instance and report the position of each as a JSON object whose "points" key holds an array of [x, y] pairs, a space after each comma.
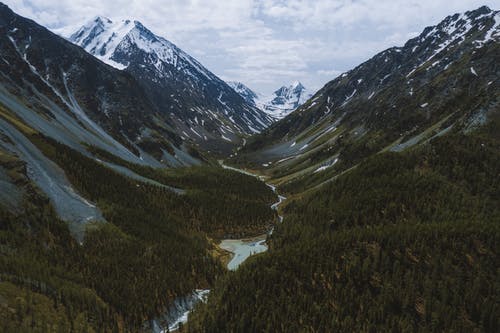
{"points": [[248, 94]]}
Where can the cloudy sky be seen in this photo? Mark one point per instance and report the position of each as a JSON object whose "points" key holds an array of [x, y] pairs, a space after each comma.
{"points": [[264, 43]]}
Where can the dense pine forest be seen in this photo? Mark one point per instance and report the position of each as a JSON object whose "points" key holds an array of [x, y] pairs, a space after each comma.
{"points": [[405, 242], [155, 246]]}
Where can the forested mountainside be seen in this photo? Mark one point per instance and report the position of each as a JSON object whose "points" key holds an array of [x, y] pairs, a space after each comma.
{"points": [[95, 234], [447, 77], [154, 246], [200, 106], [406, 242]]}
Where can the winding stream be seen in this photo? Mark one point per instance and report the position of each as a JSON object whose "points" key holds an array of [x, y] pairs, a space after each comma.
{"points": [[241, 249]]}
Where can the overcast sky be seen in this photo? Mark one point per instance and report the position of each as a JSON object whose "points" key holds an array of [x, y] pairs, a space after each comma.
{"points": [[264, 43]]}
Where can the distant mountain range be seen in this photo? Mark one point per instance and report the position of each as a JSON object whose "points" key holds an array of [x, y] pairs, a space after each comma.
{"points": [[280, 103], [199, 106]]}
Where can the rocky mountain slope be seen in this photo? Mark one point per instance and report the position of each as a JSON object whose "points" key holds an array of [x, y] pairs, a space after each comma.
{"points": [[445, 79], [52, 88], [200, 106]]}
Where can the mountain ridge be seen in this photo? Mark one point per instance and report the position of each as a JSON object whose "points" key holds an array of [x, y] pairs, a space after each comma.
{"points": [[398, 98], [202, 107]]}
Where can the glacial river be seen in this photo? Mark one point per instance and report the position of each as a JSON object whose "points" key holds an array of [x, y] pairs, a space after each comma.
{"points": [[241, 250]]}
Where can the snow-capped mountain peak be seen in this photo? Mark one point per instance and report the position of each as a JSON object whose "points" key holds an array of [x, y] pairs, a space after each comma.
{"points": [[285, 100], [280, 103], [248, 94], [201, 105], [114, 42], [297, 85], [101, 36], [290, 94]]}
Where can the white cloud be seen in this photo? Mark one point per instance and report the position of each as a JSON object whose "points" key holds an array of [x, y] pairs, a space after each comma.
{"points": [[264, 43], [329, 72], [323, 14]]}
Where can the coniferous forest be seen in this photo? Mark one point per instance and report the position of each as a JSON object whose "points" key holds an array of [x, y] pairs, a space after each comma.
{"points": [[405, 242], [155, 246]]}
